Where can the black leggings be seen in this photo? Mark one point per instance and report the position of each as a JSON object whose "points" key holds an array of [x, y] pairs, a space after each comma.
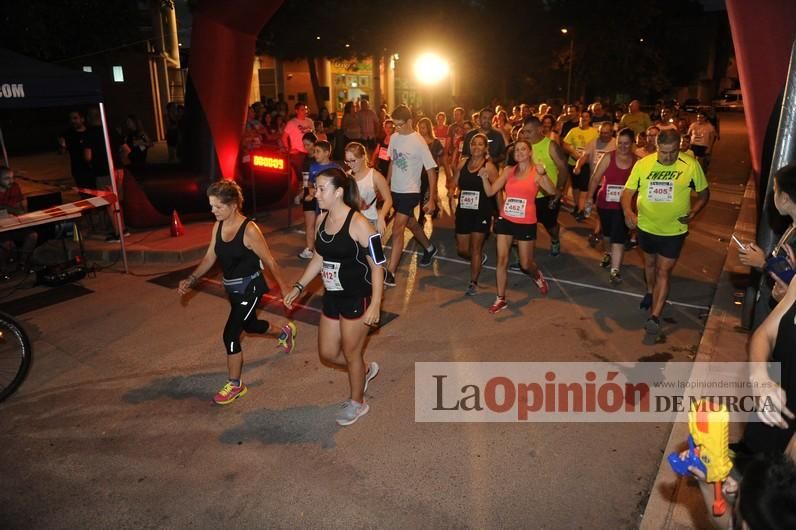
{"points": [[243, 315]]}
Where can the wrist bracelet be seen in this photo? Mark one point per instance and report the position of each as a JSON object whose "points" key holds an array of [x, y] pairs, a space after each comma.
{"points": [[298, 286], [192, 279]]}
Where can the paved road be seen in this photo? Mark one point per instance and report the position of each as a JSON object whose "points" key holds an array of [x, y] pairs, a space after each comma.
{"points": [[114, 427]]}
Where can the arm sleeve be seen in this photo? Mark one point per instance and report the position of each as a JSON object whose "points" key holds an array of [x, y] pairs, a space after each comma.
{"points": [[698, 178], [633, 180]]}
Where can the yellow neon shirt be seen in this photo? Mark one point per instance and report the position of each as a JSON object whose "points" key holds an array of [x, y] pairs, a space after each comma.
{"points": [[664, 193], [578, 138]]}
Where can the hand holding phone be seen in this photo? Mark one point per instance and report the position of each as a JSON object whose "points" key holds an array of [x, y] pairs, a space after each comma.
{"points": [[739, 244], [781, 268]]}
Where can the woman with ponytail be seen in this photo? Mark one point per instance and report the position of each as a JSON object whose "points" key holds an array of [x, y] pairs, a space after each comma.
{"points": [[348, 256]]}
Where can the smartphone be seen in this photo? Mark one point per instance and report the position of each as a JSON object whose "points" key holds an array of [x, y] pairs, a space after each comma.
{"points": [[780, 266], [375, 249], [738, 243]]}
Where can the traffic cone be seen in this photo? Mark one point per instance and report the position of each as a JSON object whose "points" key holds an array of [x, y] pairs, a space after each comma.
{"points": [[176, 225]]}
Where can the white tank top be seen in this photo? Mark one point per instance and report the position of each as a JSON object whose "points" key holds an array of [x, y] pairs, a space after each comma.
{"points": [[367, 191]]}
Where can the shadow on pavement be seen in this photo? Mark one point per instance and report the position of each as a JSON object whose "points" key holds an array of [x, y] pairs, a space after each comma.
{"points": [[296, 425]]}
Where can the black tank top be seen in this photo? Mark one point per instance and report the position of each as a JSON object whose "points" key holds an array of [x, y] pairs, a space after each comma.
{"points": [[472, 197], [345, 270], [236, 260], [759, 436]]}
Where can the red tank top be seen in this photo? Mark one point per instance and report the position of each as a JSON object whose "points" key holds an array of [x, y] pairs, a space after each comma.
{"points": [[610, 193], [520, 204]]}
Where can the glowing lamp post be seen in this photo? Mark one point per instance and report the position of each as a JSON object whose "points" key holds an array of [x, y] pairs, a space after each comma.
{"points": [[565, 32], [430, 69]]}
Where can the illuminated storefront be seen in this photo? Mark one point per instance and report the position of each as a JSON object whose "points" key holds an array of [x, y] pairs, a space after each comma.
{"points": [[352, 79]]}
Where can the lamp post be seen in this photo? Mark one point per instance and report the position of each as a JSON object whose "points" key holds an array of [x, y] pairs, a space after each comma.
{"points": [[565, 31], [430, 69]]}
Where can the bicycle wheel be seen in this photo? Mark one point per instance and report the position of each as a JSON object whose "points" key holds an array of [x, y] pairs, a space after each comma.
{"points": [[15, 355]]}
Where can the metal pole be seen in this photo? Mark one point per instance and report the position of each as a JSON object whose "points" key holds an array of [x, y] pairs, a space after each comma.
{"points": [[569, 74], [117, 207], [3, 144]]}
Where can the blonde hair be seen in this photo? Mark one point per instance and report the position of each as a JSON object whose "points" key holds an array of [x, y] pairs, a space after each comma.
{"points": [[357, 148]]}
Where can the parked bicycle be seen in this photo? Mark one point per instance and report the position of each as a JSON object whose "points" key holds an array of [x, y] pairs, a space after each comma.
{"points": [[15, 355]]}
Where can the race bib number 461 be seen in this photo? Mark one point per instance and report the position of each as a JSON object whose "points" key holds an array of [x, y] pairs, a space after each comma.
{"points": [[613, 192], [660, 191], [469, 199]]}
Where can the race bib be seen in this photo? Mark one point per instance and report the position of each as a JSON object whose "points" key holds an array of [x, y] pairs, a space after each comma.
{"points": [[383, 154], [468, 199], [330, 273], [514, 207], [613, 192], [660, 191]]}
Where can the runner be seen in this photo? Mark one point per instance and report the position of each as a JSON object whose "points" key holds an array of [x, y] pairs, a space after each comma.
{"points": [[381, 155], [611, 175], [575, 144], [517, 218], [371, 184], [291, 142], [663, 183], [409, 154], [321, 154], [426, 130], [548, 153], [476, 209], [353, 283], [239, 245]]}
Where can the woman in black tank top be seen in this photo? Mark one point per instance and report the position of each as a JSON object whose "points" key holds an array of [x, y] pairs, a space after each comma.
{"points": [[240, 247], [475, 210], [345, 244]]}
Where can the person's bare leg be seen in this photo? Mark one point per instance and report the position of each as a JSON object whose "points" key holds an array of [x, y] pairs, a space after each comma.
{"points": [[354, 334], [397, 241]]}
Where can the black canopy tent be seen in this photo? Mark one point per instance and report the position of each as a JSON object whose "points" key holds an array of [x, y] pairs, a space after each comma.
{"points": [[27, 83]]}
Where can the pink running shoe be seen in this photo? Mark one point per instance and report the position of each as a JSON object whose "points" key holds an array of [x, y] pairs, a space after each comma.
{"points": [[541, 283], [499, 305], [287, 337], [230, 393]]}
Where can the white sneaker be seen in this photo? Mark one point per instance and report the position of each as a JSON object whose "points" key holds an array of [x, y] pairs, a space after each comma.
{"points": [[306, 254], [350, 412]]}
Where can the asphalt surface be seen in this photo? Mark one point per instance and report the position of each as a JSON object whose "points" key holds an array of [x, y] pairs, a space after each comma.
{"points": [[114, 427]]}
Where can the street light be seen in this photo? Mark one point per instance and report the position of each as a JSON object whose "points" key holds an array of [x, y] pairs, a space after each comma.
{"points": [[565, 32], [430, 69]]}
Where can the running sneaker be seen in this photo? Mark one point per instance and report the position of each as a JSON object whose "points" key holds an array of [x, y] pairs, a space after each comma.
{"points": [[287, 337], [370, 375], [606, 261], [630, 244], [230, 393], [306, 254], [351, 411], [594, 239], [389, 278], [515, 267], [472, 289], [541, 283], [652, 326], [499, 305], [555, 247], [428, 255], [580, 216], [646, 302], [614, 277]]}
